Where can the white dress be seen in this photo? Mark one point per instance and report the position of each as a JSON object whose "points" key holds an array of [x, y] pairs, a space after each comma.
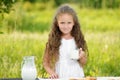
{"points": [[66, 67]]}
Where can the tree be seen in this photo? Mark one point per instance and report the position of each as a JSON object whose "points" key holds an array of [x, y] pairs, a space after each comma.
{"points": [[6, 5]]}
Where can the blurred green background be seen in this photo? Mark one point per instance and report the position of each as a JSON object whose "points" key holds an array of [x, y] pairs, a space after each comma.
{"points": [[25, 25]]}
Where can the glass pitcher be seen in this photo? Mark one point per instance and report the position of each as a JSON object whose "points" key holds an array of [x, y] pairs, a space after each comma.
{"points": [[28, 68]]}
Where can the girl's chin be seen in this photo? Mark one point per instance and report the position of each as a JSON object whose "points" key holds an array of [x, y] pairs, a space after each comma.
{"points": [[66, 32]]}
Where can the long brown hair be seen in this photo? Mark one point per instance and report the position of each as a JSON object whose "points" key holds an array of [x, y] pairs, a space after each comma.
{"points": [[54, 41]]}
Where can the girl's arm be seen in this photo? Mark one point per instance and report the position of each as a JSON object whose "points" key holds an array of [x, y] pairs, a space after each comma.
{"points": [[47, 66]]}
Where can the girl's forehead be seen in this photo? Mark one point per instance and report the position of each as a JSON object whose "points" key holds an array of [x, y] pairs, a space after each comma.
{"points": [[65, 17], [64, 14]]}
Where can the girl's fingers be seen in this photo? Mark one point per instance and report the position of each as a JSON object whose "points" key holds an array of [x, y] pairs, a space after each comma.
{"points": [[54, 76], [82, 53], [80, 49]]}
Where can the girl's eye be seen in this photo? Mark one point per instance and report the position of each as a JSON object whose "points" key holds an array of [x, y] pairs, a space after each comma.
{"points": [[62, 22], [69, 22]]}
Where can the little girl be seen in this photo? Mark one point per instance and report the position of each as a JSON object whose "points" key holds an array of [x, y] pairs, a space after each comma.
{"points": [[65, 36]]}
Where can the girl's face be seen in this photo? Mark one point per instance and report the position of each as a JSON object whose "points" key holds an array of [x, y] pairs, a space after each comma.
{"points": [[65, 23]]}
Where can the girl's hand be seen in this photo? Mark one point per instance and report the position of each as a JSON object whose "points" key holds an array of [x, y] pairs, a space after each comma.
{"points": [[54, 76], [83, 57]]}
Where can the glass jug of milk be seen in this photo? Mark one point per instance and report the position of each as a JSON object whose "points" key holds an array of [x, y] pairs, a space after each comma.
{"points": [[28, 68]]}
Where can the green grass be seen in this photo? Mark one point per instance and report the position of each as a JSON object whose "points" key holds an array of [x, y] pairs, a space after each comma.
{"points": [[103, 53], [97, 20], [100, 20], [15, 46], [28, 34]]}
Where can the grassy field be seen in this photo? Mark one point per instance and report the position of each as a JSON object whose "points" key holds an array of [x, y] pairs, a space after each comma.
{"points": [[100, 27]]}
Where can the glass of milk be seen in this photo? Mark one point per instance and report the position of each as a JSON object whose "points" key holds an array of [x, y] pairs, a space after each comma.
{"points": [[74, 54], [28, 69]]}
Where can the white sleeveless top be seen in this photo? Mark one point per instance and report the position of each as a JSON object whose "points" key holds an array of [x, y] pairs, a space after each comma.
{"points": [[66, 67]]}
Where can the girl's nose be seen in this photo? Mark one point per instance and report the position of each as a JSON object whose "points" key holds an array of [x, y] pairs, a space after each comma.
{"points": [[66, 25]]}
